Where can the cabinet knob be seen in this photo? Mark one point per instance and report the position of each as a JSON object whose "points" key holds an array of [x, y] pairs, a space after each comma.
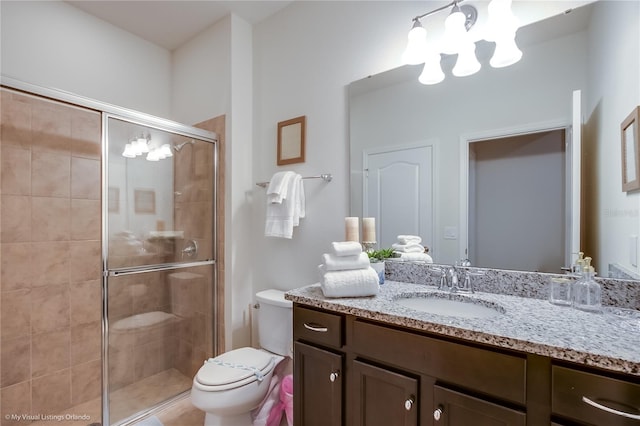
{"points": [[438, 413], [334, 376], [408, 404]]}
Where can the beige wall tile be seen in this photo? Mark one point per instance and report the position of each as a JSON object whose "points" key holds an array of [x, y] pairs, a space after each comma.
{"points": [[51, 127], [85, 302], [15, 359], [86, 134], [85, 178], [86, 342], [85, 382], [43, 400], [50, 308], [85, 261], [85, 219], [50, 263], [16, 399], [16, 314], [120, 367], [50, 219], [15, 214], [16, 262], [50, 352], [15, 120], [15, 170], [120, 298], [50, 174]]}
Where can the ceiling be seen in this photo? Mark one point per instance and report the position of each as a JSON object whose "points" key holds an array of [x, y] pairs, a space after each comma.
{"points": [[170, 24]]}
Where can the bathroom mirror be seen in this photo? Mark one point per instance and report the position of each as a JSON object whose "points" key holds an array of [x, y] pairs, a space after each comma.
{"points": [[392, 111]]}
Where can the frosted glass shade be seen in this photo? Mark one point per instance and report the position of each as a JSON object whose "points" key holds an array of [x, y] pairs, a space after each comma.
{"points": [[506, 53], [416, 46], [432, 71], [467, 62], [129, 151]]}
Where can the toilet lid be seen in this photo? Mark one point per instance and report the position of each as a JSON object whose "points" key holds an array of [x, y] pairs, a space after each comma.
{"points": [[239, 365]]}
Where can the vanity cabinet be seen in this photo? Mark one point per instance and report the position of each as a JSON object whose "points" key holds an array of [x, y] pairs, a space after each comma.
{"points": [[361, 372]]}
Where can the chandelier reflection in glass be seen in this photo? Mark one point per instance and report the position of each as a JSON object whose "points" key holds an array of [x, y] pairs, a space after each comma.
{"points": [[142, 145], [501, 29]]}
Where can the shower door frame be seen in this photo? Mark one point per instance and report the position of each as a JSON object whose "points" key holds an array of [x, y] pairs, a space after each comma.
{"points": [[108, 110], [141, 119]]}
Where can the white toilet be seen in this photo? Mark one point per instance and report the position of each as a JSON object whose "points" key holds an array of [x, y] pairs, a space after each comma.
{"points": [[228, 387]]}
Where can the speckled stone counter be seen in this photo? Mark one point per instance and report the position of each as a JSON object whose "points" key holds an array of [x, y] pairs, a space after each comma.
{"points": [[610, 340]]}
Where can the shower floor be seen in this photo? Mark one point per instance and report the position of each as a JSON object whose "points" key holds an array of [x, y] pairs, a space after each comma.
{"points": [[127, 400]]}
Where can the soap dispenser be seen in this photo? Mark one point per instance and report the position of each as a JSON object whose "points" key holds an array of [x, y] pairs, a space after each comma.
{"points": [[587, 292]]}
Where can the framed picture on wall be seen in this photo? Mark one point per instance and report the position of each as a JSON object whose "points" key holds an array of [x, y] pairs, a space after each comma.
{"points": [[291, 138], [144, 201], [630, 153]]}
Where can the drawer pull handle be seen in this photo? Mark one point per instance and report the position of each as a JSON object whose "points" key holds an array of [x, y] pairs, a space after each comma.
{"points": [[315, 327], [437, 415], [334, 376], [610, 410], [408, 404]]}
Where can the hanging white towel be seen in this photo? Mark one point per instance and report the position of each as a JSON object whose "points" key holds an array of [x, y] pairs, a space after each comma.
{"points": [[279, 187], [346, 248], [354, 283], [283, 216], [343, 263]]}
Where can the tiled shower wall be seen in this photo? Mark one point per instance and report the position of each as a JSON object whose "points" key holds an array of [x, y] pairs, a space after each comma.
{"points": [[50, 255]]}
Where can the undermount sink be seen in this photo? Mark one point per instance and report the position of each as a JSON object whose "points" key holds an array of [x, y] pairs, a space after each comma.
{"points": [[453, 306]]}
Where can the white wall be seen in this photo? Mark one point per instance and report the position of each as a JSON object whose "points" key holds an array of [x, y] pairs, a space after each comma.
{"points": [[55, 45], [614, 71]]}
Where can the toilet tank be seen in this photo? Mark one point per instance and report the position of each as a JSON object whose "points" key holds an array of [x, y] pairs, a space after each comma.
{"points": [[275, 322]]}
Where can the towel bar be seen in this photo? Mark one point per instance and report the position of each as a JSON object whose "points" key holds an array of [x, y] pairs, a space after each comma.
{"points": [[325, 177]]}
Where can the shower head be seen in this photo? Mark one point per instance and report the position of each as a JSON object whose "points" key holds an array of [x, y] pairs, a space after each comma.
{"points": [[178, 147]]}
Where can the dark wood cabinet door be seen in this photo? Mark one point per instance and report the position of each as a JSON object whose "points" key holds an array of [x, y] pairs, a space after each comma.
{"points": [[317, 386], [384, 397], [457, 409]]}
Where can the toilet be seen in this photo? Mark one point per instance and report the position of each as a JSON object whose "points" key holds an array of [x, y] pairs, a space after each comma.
{"points": [[228, 387]]}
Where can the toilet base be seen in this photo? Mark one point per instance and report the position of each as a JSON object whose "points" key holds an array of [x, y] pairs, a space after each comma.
{"points": [[243, 419]]}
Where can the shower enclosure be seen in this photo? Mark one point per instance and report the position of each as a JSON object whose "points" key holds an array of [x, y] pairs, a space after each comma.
{"points": [[108, 248], [158, 254]]}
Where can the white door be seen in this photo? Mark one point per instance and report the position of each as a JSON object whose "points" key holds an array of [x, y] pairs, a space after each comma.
{"points": [[398, 192], [574, 152]]}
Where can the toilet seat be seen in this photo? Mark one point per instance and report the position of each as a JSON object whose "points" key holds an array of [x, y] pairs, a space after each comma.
{"points": [[234, 369]]}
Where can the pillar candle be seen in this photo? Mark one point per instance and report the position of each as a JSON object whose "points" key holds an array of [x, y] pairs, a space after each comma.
{"points": [[352, 229], [368, 229]]}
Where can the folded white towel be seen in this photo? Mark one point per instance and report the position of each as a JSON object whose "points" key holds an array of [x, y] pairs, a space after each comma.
{"points": [[354, 283], [408, 248], [346, 248], [406, 239], [343, 263], [419, 257], [279, 187], [282, 217]]}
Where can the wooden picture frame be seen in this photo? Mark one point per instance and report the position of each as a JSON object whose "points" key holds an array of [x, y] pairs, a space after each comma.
{"points": [[291, 140], [629, 130], [144, 201]]}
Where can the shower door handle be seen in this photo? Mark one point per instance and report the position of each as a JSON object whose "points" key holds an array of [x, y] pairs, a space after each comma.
{"points": [[190, 249]]}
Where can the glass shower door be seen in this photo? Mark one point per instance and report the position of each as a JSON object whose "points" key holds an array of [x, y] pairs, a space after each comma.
{"points": [[159, 264]]}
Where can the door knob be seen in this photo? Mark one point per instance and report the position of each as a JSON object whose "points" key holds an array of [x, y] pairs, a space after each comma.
{"points": [[438, 413], [408, 404], [334, 376]]}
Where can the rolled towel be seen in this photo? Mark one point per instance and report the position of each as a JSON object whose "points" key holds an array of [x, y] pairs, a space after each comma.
{"points": [[416, 257], [408, 248], [346, 248], [343, 263], [407, 239], [354, 283]]}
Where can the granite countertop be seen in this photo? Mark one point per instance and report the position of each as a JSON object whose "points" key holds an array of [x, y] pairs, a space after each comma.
{"points": [[610, 340]]}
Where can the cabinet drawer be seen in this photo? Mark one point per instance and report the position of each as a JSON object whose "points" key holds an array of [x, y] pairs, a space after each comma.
{"points": [[482, 370], [458, 409], [320, 327], [593, 398]]}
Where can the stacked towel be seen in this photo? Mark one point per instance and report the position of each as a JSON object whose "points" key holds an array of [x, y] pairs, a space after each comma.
{"points": [[285, 204], [346, 272], [410, 248]]}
